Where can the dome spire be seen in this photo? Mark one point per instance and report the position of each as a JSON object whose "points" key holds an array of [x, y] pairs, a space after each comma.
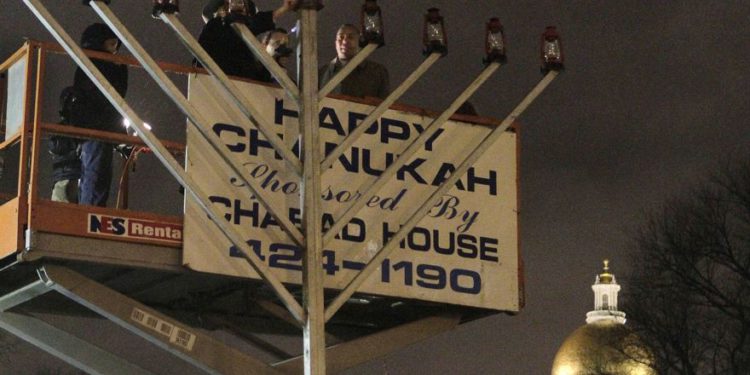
{"points": [[605, 298]]}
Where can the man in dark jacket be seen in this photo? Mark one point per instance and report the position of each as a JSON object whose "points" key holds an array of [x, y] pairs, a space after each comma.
{"points": [[367, 79], [226, 47], [95, 112]]}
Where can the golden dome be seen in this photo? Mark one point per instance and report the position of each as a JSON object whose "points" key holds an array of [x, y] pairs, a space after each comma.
{"points": [[603, 347]]}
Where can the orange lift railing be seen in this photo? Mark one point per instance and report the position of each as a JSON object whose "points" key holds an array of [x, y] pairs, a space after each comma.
{"points": [[23, 206]]}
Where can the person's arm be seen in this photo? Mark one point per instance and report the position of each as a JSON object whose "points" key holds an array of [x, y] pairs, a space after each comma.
{"points": [[211, 8], [285, 7]]}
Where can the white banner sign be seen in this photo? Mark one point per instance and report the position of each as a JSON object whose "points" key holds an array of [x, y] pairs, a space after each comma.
{"points": [[465, 251]]}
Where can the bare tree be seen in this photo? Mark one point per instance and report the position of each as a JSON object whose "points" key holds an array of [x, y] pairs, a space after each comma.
{"points": [[689, 294]]}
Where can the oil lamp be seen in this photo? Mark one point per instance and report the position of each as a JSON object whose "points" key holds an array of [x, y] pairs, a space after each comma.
{"points": [[434, 37], [495, 42], [551, 50], [372, 24]]}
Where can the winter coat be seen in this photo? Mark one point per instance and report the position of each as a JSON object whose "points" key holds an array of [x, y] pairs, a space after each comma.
{"points": [[95, 111]]}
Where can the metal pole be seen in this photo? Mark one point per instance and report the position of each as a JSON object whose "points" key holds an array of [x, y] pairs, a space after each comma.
{"points": [[245, 105], [414, 219], [405, 156], [164, 156], [196, 119], [377, 112], [347, 69], [312, 272]]}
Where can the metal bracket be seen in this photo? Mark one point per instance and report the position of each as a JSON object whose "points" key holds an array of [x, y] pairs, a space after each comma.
{"points": [[29, 240]]}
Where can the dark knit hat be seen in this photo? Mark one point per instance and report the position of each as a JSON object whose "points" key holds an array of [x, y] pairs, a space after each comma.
{"points": [[95, 35]]}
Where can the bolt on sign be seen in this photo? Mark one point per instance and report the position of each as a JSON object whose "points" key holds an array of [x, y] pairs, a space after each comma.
{"points": [[463, 252]]}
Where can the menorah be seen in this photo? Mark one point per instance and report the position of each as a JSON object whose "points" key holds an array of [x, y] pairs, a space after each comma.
{"points": [[310, 165]]}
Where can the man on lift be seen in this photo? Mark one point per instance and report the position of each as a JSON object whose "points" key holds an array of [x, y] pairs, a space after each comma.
{"points": [[92, 110], [367, 79]]}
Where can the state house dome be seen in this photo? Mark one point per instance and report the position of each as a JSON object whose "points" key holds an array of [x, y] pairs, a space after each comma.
{"points": [[604, 345]]}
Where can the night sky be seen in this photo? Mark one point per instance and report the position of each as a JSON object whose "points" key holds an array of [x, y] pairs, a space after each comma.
{"points": [[650, 102]]}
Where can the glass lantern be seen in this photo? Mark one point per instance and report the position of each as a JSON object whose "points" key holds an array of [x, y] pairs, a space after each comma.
{"points": [[372, 24], [434, 37], [551, 50], [495, 42]]}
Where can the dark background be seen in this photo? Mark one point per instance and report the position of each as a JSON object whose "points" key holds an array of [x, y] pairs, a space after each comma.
{"points": [[650, 102]]}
